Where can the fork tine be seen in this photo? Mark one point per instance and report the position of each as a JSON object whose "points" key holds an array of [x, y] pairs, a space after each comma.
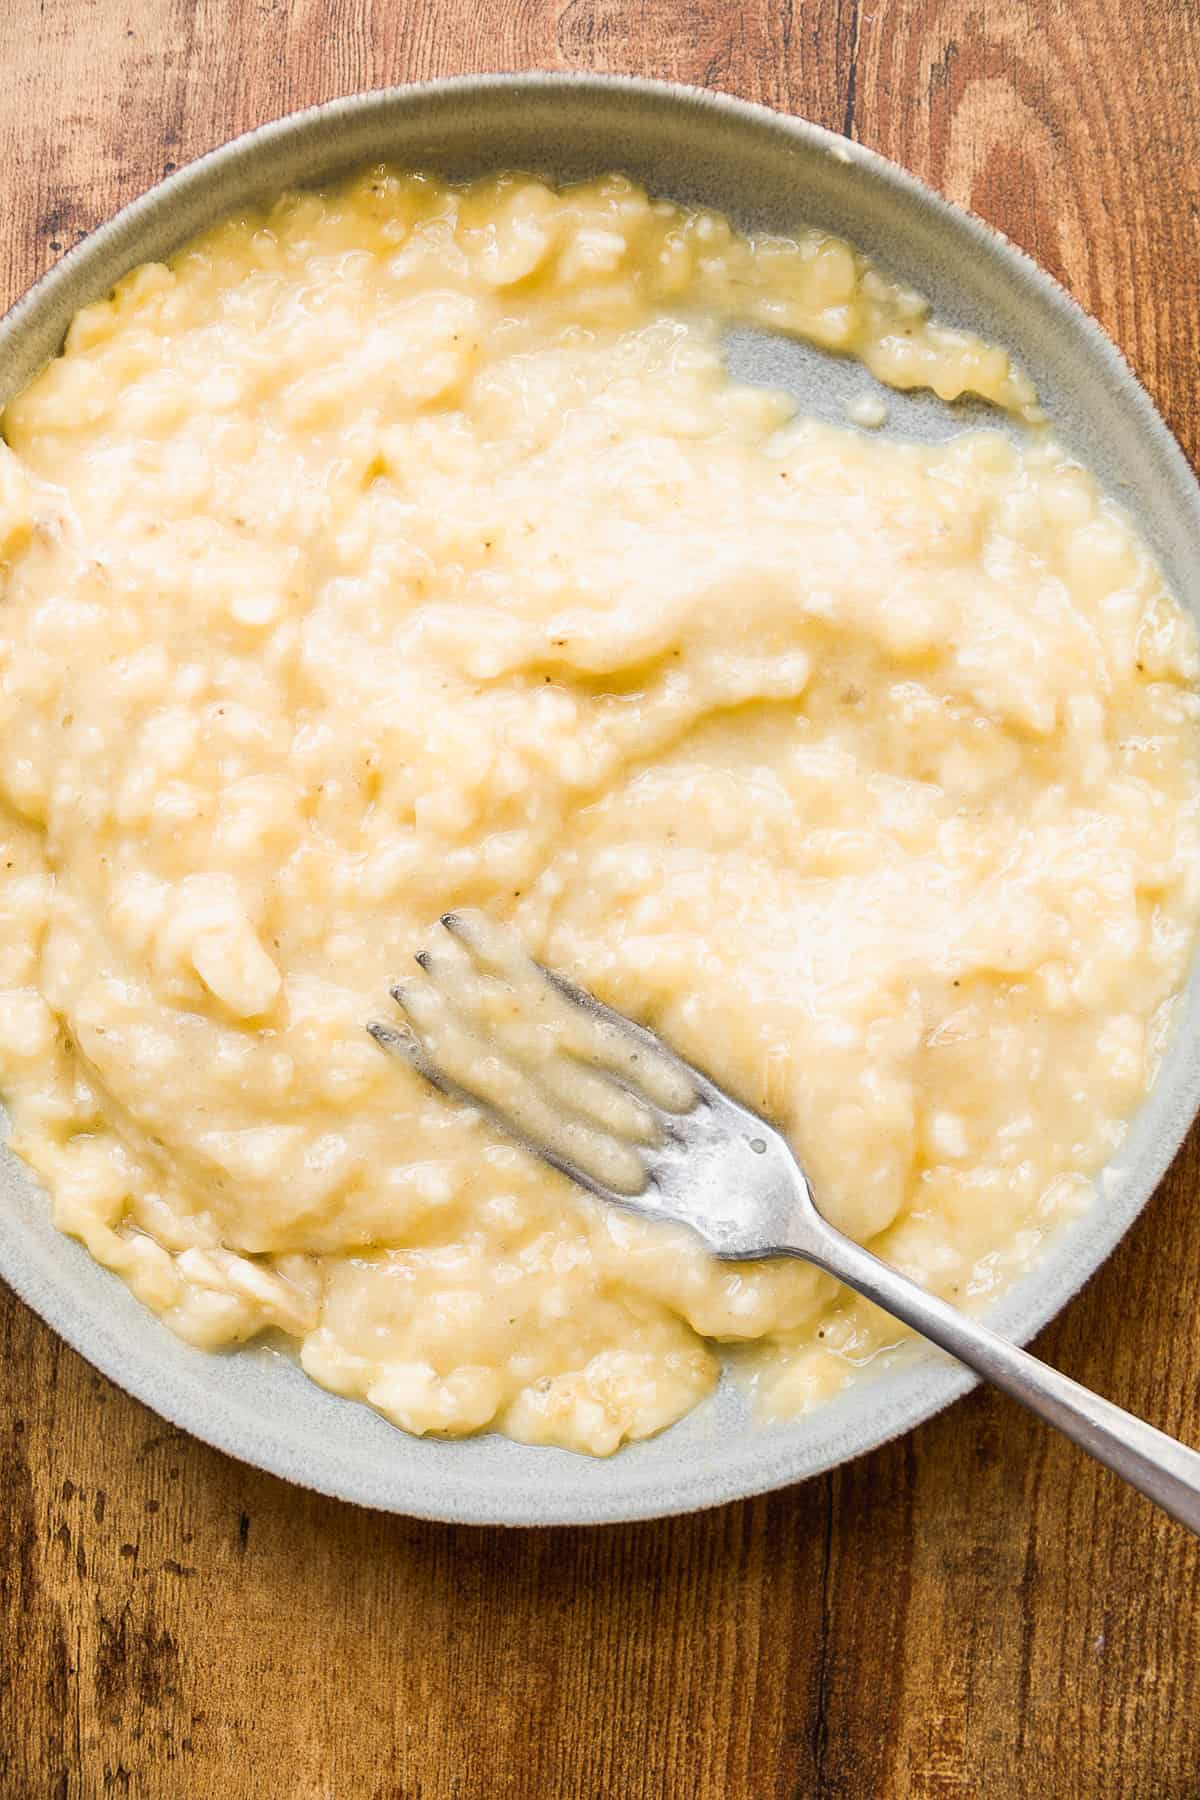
{"points": [[471, 929], [400, 1043], [595, 1034], [641, 1059], [407, 1046], [598, 1096], [419, 1001], [577, 1145], [589, 1123]]}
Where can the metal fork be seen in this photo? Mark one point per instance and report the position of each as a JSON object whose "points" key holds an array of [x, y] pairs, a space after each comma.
{"points": [[553, 1067]]}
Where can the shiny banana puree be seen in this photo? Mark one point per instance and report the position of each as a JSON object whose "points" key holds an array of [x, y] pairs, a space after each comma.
{"points": [[400, 548]]}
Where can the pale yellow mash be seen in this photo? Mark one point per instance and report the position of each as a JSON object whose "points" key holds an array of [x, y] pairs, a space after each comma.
{"points": [[398, 548]]}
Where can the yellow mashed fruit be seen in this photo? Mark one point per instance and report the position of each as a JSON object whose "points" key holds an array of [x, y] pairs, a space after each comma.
{"points": [[400, 547]]}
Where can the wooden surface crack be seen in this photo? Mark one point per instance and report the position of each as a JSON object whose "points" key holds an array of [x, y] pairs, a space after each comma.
{"points": [[820, 1725], [852, 70]]}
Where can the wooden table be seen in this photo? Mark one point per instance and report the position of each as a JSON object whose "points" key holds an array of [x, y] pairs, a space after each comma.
{"points": [[976, 1611]]}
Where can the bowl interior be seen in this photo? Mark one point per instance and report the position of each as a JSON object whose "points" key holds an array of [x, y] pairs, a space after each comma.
{"points": [[764, 171]]}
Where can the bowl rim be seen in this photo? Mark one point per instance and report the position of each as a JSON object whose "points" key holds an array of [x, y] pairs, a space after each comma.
{"points": [[932, 1382]]}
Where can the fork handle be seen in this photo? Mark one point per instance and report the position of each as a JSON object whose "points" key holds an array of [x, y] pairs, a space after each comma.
{"points": [[1160, 1467]]}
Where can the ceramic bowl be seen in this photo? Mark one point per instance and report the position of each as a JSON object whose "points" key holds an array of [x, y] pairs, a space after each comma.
{"points": [[768, 171]]}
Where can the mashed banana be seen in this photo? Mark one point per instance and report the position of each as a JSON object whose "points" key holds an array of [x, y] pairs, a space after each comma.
{"points": [[400, 548]]}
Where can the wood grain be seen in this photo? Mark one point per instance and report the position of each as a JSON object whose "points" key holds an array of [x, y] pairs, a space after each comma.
{"points": [[976, 1611]]}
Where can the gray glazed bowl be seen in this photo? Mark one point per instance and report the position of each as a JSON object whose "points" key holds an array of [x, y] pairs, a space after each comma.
{"points": [[764, 170]]}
